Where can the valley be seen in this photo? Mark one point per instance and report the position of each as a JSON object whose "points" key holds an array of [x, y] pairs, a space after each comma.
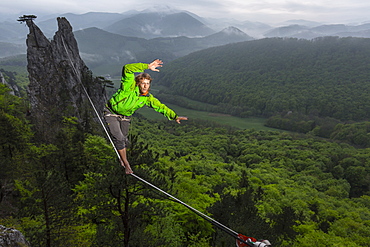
{"points": [[61, 183], [201, 116]]}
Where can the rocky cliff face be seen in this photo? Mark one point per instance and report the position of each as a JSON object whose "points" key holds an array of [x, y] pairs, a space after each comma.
{"points": [[14, 89], [10, 237], [56, 72]]}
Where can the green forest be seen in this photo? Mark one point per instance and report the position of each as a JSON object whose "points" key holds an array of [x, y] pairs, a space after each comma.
{"points": [[307, 186], [306, 86], [293, 189], [325, 77]]}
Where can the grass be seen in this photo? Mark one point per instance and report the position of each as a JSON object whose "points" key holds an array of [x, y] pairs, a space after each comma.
{"points": [[224, 119], [241, 123]]}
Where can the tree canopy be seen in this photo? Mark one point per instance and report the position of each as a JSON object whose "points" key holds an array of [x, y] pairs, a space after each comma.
{"points": [[288, 188], [324, 77], [295, 189]]}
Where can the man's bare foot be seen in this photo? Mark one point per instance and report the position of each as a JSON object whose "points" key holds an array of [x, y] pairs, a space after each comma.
{"points": [[127, 166]]}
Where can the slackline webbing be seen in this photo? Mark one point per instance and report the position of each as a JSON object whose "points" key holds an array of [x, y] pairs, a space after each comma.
{"points": [[209, 219]]}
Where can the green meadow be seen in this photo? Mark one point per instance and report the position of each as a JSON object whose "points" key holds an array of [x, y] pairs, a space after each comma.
{"points": [[241, 123], [194, 115]]}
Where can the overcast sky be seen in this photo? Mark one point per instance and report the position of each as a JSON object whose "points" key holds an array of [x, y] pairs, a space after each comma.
{"points": [[268, 11]]}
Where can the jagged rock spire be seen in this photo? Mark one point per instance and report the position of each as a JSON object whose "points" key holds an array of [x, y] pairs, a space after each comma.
{"points": [[56, 71], [12, 237]]}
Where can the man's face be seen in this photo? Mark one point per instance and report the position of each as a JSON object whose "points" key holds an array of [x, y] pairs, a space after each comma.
{"points": [[144, 86]]}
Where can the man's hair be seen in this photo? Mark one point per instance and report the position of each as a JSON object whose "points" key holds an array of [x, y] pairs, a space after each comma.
{"points": [[140, 77]]}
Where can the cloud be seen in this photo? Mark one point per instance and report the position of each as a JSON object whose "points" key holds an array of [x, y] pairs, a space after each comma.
{"points": [[314, 10], [260, 10]]}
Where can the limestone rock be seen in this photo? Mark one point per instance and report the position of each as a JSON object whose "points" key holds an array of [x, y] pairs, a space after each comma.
{"points": [[56, 74], [10, 237], [14, 88]]}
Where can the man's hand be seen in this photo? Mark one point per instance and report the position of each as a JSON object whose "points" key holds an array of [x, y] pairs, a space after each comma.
{"points": [[178, 119], [156, 63]]}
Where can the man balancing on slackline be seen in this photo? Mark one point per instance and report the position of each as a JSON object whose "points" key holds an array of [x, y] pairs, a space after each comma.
{"points": [[132, 95]]}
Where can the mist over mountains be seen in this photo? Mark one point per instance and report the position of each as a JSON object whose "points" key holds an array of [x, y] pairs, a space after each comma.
{"points": [[168, 22], [154, 25], [108, 38]]}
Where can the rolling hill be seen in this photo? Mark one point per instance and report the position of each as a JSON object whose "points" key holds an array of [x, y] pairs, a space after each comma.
{"points": [[325, 77], [9, 49]]}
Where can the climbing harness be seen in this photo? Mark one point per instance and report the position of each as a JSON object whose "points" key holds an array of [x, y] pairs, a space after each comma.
{"points": [[122, 118], [241, 240]]}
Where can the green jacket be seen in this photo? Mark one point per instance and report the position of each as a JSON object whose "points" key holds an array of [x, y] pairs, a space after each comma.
{"points": [[127, 99]]}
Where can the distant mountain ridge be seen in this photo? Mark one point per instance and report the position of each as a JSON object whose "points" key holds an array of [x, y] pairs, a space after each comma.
{"points": [[191, 25], [118, 49], [9, 49], [13, 32], [78, 22], [306, 32], [154, 25], [171, 33]]}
